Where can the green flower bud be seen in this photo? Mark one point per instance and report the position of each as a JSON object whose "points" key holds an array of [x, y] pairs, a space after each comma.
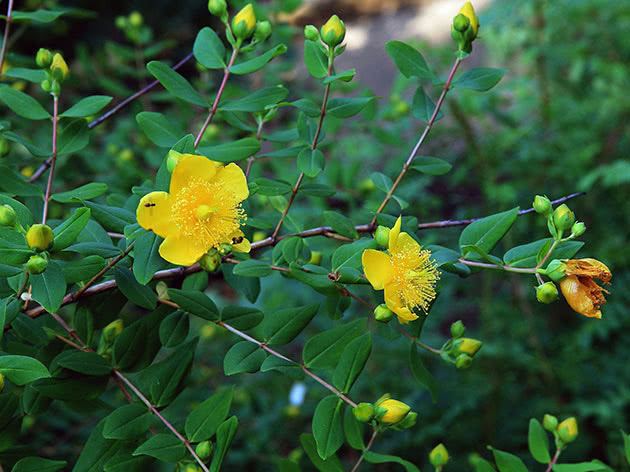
{"points": [[550, 422], [555, 270], [39, 237], [457, 329], [8, 217], [135, 19], [547, 293], [59, 68], [409, 421], [112, 330], [316, 256], [55, 88], [44, 58], [121, 22], [172, 158], [568, 430], [381, 235], [162, 290], [396, 411], [46, 85], [542, 205], [1, 382], [263, 31], [463, 361], [439, 456], [333, 31], [5, 147], [461, 23], [210, 261], [311, 33], [383, 314], [204, 450], [578, 229], [363, 412], [468, 346], [217, 7], [36, 264], [244, 22], [563, 217]]}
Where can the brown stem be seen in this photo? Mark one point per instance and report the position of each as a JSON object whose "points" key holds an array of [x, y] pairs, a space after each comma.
{"points": [[554, 460], [417, 341], [215, 105], [367, 448], [522, 270], [250, 160], [424, 135], [53, 157], [111, 264], [5, 40]]}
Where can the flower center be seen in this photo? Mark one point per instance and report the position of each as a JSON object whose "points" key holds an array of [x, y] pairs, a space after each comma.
{"points": [[415, 276], [203, 212]]}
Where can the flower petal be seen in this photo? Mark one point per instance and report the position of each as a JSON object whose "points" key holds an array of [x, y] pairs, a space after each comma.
{"points": [[243, 246], [192, 166], [577, 297], [394, 233], [235, 181], [182, 250], [395, 303], [377, 267], [154, 213], [406, 243]]}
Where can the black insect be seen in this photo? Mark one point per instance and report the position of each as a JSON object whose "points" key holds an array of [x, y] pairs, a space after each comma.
{"points": [[149, 205], [238, 240]]}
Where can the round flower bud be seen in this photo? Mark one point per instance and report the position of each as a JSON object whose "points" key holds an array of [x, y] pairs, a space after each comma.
{"points": [[457, 329], [316, 258], [333, 31], [210, 261], [550, 422], [439, 456], [383, 314], [46, 85], [43, 59], [135, 19], [263, 31], [311, 33], [204, 449], [547, 293], [36, 264], [542, 205], [217, 7], [112, 330], [39, 237], [244, 22], [363, 412], [563, 217], [258, 236], [556, 270], [162, 290], [409, 421], [469, 346], [8, 217], [461, 23], [5, 147], [396, 411], [121, 22], [381, 235], [463, 361], [55, 88], [59, 68], [568, 430], [172, 158], [578, 229]]}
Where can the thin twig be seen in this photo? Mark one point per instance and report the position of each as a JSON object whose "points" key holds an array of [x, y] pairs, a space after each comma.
{"points": [[251, 158], [554, 460], [367, 448], [522, 270], [53, 157], [5, 40], [424, 135], [417, 341]]}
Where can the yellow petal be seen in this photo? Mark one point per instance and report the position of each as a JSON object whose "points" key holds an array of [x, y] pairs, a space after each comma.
{"points": [[394, 233], [377, 267], [243, 246], [182, 250], [407, 243], [577, 297], [154, 213], [190, 166], [396, 304], [235, 181]]}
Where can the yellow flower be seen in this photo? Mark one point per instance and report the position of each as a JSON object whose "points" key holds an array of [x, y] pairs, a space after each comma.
{"points": [[469, 12], [407, 274], [396, 411], [201, 211], [59, 68], [39, 237], [248, 19], [580, 290], [470, 346], [568, 430]]}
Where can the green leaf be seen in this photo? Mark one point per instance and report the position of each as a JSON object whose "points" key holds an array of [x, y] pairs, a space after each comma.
{"points": [[269, 187], [195, 303], [487, 232], [526, 254], [127, 350], [225, 434], [13, 183], [209, 49], [431, 165], [73, 137], [38, 464], [316, 190], [580, 467], [32, 75], [324, 349], [49, 287], [204, 421], [308, 107], [331, 464], [347, 107], [285, 324], [315, 59], [158, 128], [481, 79], [258, 62], [175, 83], [84, 192], [164, 447], [242, 318], [252, 268], [23, 213], [232, 151], [123, 461], [141, 295], [88, 363], [422, 107], [311, 162], [127, 422], [97, 451], [112, 218], [349, 255], [147, 260], [626, 445], [258, 100], [409, 61], [381, 181], [174, 329], [346, 76], [67, 232], [22, 104], [244, 356], [376, 458], [87, 106], [483, 465], [33, 148], [507, 462], [420, 372], [353, 430], [352, 361], [538, 442], [340, 224], [39, 16], [22, 370], [328, 426]]}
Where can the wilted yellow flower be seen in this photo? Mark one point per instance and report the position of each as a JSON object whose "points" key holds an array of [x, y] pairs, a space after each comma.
{"points": [[396, 411], [201, 211], [407, 274], [59, 68], [469, 12], [582, 293]]}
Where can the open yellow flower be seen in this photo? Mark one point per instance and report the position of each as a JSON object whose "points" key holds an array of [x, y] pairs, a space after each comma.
{"points": [[580, 290], [201, 211], [407, 274]]}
